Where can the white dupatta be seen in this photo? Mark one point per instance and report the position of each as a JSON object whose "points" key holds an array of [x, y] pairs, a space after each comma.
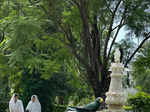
{"points": [[15, 106], [34, 106]]}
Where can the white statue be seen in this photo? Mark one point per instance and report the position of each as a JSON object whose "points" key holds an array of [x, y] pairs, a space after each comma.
{"points": [[115, 97], [117, 55]]}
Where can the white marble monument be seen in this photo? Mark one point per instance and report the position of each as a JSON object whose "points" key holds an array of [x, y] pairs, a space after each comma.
{"points": [[115, 97]]}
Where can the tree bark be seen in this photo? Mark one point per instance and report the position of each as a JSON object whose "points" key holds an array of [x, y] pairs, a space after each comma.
{"points": [[100, 87], [61, 100]]}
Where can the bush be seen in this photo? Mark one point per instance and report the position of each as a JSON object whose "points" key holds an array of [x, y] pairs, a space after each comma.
{"points": [[3, 107], [140, 102], [127, 108], [59, 108]]}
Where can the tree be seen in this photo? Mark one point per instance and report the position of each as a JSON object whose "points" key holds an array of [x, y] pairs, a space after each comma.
{"points": [[88, 27], [33, 58]]}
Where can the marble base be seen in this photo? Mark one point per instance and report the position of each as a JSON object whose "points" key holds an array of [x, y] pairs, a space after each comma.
{"points": [[114, 98], [121, 110]]}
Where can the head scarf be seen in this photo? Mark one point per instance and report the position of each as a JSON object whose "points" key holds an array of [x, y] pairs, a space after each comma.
{"points": [[36, 99], [12, 98], [34, 106], [12, 105]]}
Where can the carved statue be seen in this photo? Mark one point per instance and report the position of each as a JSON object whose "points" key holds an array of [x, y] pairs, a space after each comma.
{"points": [[117, 55]]}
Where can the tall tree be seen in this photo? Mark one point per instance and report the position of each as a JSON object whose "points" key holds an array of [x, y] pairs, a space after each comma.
{"points": [[91, 28]]}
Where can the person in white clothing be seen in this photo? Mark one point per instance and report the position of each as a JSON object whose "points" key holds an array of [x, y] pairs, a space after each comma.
{"points": [[15, 105], [34, 105]]}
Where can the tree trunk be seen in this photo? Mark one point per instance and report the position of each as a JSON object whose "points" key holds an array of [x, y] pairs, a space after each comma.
{"points": [[61, 100], [100, 87]]}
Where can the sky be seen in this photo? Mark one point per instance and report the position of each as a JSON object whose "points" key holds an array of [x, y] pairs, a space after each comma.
{"points": [[121, 35]]}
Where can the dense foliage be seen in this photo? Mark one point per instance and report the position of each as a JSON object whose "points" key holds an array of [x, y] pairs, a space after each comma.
{"points": [[34, 60], [139, 102], [141, 68], [4, 93], [61, 49]]}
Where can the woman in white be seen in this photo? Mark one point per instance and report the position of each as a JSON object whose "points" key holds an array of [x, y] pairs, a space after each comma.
{"points": [[34, 105], [15, 105]]}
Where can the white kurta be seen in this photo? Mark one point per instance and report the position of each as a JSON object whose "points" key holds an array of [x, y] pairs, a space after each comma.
{"points": [[16, 107], [34, 106]]}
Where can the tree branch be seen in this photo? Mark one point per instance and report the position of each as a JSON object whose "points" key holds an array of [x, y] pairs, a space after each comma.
{"points": [[108, 7], [110, 30], [2, 36], [114, 39], [81, 59], [96, 44], [40, 6], [44, 9], [86, 36], [3, 32], [133, 54], [77, 3], [116, 34], [117, 26], [69, 36]]}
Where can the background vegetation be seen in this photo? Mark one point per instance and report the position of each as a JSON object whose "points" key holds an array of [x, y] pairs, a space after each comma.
{"points": [[61, 50]]}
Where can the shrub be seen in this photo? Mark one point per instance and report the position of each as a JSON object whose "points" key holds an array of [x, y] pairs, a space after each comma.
{"points": [[59, 108], [3, 107], [140, 102]]}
